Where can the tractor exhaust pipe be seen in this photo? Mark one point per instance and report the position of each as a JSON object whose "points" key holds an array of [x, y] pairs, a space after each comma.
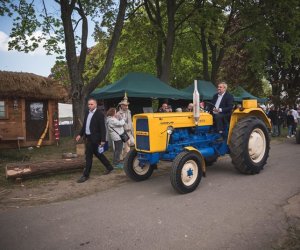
{"points": [[196, 103]]}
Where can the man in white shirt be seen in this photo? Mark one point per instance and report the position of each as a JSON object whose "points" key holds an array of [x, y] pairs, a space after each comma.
{"points": [[94, 131], [223, 104]]}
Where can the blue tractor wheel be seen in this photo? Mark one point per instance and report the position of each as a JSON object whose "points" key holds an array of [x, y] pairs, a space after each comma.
{"points": [[186, 172], [134, 169]]}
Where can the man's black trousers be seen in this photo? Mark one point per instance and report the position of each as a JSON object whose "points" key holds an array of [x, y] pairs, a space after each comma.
{"points": [[92, 149]]}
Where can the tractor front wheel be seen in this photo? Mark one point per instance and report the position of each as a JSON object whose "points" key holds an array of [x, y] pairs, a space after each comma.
{"points": [[249, 145], [186, 172], [136, 170]]}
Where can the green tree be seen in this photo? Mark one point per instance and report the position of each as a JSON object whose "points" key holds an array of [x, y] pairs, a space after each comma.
{"points": [[64, 27], [136, 50], [166, 18], [283, 53], [219, 26], [272, 46], [60, 72]]}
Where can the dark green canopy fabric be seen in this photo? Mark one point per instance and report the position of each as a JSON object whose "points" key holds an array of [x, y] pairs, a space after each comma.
{"points": [[206, 89], [140, 85], [241, 93]]}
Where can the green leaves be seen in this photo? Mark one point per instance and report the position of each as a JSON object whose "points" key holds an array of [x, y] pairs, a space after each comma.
{"points": [[241, 42], [6, 8]]}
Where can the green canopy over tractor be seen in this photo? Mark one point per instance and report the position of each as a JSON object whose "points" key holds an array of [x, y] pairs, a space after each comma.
{"points": [[206, 89], [141, 85]]}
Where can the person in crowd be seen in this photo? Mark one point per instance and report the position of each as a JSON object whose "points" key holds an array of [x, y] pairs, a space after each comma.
{"points": [[163, 108], [296, 116], [273, 115], [223, 105], [169, 109], [125, 114], [94, 131], [284, 112], [290, 122], [115, 126], [263, 107], [178, 110], [280, 120], [190, 107], [202, 106]]}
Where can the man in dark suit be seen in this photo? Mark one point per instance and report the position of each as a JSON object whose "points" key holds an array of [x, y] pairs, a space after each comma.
{"points": [[223, 104], [95, 132]]}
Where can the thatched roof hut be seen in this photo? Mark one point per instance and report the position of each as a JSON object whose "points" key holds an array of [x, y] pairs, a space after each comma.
{"points": [[28, 85]]}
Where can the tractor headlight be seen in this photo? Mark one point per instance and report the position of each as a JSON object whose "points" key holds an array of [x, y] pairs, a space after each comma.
{"points": [[170, 130]]}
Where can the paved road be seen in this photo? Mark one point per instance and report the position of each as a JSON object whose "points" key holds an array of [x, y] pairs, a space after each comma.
{"points": [[227, 211]]}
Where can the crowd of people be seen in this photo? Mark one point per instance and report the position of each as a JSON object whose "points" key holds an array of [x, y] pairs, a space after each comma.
{"points": [[168, 108], [98, 128], [283, 117]]}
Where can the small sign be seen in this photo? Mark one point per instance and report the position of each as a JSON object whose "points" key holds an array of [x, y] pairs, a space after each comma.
{"points": [[37, 111]]}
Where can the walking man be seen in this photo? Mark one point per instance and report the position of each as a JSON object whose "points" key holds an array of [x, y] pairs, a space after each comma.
{"points": [[95, 133]]}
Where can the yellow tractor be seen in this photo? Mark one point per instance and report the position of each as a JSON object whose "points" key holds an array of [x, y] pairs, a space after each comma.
{"points": [[175, 137]]}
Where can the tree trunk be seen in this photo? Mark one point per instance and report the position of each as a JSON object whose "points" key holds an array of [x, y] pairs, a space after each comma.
{"points": [[79, 91], [167, 61], [165, 42], [79, 107], [217, 65], [205, 55], [88, 88], [159, 52], [20, 170], [73, 69]]}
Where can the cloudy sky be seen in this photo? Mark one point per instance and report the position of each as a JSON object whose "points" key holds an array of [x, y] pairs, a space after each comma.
{"points": [[35, 62]]}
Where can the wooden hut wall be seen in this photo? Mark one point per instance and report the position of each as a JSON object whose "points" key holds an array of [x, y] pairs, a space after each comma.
{"points": [[14, 126]]}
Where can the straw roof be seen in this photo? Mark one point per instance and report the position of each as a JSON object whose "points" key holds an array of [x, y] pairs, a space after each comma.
{"points": [[28, 85]]}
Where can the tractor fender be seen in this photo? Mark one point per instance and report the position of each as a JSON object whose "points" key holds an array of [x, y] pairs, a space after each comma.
{"points": [[203, 166], [240, 114]]}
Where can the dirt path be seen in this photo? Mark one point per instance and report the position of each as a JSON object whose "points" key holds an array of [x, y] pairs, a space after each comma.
{"points": [[59, 190], [23, 194]]}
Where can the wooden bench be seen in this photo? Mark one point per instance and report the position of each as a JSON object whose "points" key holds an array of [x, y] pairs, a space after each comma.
{"points": [[17, 139]]}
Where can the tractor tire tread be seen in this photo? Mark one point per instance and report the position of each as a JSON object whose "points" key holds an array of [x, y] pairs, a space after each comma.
{"points": [[238, 145]]}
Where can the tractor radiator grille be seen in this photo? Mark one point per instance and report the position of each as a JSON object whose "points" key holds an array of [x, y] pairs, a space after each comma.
{"points": [[142, 134]]}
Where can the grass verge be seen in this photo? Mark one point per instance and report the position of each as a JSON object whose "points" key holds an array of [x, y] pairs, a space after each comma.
{"points": [[67, 145]]}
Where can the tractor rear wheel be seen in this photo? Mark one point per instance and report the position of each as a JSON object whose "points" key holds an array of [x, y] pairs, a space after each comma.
{"points": [[249, 145], [186, 172], [134, 169]]}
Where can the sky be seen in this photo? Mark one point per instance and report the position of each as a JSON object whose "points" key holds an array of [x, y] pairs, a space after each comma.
{"points": [[36, 62]]}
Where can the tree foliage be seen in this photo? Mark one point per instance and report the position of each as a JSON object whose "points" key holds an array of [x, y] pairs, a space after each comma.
{"points": [[242, 42], [68, 24], [268, 49], [283, 52]]}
